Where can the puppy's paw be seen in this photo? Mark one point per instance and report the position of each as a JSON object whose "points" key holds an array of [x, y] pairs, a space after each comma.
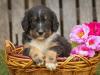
{"points": [[51, 61], [37, 57], [51, 66], [39, 61]]}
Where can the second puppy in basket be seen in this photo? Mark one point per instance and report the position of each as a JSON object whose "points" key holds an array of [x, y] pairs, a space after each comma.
{"points": [[40, 38]]}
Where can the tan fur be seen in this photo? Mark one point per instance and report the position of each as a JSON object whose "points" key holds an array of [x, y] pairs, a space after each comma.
{"points": [[50, 60], [40, 49], [51, 54], [43, 46], [36, 54]]}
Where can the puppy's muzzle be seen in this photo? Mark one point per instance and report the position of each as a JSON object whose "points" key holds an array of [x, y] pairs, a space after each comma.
{"points": [[40, 33], [40, 29]]}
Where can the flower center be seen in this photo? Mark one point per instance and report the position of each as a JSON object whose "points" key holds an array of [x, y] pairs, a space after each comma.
{"points": [[91, 42], [84, 48], [80, 33]]}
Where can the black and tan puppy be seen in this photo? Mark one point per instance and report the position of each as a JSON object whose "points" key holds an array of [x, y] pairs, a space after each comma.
{"points": [[40, 37]]}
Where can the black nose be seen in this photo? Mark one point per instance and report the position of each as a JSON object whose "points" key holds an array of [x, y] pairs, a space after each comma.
{"points": [[40, 33]]}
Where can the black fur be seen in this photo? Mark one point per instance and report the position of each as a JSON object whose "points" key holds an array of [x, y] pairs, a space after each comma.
{"points": [[63, 48], [32, 20], [34, 12]]}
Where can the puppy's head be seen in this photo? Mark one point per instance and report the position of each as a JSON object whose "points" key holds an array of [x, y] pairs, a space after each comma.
{"points": [[40, 22]]}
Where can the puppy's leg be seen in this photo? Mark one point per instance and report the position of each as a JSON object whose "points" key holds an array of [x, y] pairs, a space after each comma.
{"points": [[50, 60], [37, 56]]}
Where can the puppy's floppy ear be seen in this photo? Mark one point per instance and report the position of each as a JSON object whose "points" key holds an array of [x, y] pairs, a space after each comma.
{"points": [[25, 22], [55, 23]]}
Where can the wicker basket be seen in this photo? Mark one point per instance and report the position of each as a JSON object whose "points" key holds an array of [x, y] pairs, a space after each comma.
{"points": [[23, 65]]}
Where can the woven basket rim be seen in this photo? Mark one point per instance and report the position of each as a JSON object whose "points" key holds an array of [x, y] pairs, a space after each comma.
{"points": [[67, 64]]}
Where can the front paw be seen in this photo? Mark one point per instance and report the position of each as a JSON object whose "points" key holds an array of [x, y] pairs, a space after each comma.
{"points": [[51, 66], [37, 57], [51, 61], [38, 61]]}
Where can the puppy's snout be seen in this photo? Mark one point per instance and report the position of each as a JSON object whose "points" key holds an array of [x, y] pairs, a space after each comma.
{"points": [[40, 33]]}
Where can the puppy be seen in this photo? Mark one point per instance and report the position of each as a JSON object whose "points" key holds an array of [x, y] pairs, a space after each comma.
{"points": [[40, 38]]}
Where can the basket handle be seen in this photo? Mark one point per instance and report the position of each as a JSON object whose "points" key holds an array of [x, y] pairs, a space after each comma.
{"points": [[9, 44], [72, 57]]}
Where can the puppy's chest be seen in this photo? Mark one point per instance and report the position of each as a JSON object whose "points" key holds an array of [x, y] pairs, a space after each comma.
{"points": [[43, 46]]}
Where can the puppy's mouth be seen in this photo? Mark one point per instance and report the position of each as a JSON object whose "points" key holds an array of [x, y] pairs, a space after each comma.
{"points": [[39, 37]]}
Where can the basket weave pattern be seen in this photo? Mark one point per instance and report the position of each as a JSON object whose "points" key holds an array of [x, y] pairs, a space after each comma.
{"points": [[23, 65]]}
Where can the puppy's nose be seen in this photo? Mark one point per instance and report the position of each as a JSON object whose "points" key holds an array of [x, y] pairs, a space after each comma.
{"points": [[40, 33]]}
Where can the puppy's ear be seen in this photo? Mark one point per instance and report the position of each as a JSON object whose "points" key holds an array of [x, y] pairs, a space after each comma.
{"points": [[25, 22], [55, 23]]}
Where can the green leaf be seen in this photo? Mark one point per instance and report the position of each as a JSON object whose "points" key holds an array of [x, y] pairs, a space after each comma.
{"points": [[74, 44], [3, 67], [98, 69]]}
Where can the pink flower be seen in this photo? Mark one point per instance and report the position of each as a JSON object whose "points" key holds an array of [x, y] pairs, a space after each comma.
{"points": [[94, 28], [79, 33], [83, 50], [98, 47], [87, 39], [93, 41]]}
